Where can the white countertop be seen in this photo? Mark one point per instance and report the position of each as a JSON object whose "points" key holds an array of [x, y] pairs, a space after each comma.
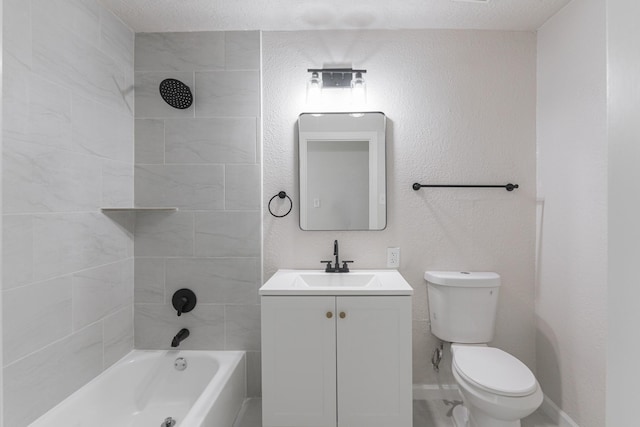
{"points": [[318, 282]]}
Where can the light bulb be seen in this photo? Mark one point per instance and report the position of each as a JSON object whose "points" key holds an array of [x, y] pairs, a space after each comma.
{"points": [[314, 88], [359, 89]]}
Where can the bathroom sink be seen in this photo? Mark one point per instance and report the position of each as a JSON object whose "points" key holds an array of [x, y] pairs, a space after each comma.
{"points": [[340, 280], [317, 282]]}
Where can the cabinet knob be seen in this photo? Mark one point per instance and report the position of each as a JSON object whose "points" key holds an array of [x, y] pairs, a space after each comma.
{"points": [[329, 315], [343, 314]]}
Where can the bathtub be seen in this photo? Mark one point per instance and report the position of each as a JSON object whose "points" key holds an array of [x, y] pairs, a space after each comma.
{"points": [[147, 387]]}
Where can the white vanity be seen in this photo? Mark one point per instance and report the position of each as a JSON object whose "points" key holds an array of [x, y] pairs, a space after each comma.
{"points": [[336, 349]]}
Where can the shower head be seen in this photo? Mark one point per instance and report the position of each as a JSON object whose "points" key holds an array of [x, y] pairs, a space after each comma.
{"points": [[176, 93]]}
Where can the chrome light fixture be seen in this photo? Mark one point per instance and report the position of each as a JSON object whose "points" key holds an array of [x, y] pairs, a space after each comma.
{"points": [[336, 78]]}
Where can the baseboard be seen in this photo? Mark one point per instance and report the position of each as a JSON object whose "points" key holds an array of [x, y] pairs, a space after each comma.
{"points": [[435, 391], [556, 414]]}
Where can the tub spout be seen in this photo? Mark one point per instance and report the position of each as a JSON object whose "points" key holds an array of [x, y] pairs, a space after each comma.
{"points": [[180, 336]]}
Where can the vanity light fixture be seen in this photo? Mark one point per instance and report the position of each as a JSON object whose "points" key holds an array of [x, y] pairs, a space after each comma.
{"points": [[336, 78]]}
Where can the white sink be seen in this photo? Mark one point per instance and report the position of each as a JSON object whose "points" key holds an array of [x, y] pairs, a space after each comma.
{"points": [[317, 282]]}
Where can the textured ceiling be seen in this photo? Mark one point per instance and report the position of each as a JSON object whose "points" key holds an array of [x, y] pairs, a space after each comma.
{"points": [[289, 15]]}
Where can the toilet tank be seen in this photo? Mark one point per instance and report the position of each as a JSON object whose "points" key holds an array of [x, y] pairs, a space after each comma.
{"points": [[462, 305]]}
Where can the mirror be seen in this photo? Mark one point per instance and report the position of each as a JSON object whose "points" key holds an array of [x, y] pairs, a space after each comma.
{"points": [[342, 171]]}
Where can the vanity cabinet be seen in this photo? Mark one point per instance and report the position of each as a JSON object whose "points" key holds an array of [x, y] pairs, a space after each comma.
{"points": [[336, 361]]}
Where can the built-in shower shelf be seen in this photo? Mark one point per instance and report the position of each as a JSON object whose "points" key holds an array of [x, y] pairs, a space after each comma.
{"points": [[149, 209]]}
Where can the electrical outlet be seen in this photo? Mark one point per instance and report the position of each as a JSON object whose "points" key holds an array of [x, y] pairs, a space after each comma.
{"points": [[393, 257]]}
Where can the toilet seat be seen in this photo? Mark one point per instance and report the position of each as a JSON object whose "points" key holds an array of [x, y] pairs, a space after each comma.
{"points": [[494, 371]]}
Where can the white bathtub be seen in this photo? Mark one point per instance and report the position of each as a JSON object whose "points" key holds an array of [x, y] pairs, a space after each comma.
{"points": [[145, 388]]}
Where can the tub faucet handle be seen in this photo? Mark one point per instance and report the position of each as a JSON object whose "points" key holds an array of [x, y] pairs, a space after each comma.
{"points": [[168, 422], [184, 300]]}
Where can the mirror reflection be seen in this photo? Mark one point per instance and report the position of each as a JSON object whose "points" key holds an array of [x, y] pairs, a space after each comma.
{"points": [[342, 171]]}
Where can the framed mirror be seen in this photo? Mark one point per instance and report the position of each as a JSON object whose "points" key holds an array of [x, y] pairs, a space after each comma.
{"points": [[342, 171]]}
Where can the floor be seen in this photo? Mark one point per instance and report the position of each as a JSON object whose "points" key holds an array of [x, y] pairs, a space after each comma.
{"points": [[426, 413]]}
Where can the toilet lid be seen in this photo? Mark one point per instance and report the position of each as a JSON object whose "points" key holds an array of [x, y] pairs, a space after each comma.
{"points": [[494, 370]]}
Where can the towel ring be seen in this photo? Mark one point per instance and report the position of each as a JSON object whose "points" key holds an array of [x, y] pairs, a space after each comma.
{"points": [[281, 195]]}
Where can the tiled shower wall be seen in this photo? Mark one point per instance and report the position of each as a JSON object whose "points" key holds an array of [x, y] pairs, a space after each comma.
{"points": [[68, 149], [204, 160]]}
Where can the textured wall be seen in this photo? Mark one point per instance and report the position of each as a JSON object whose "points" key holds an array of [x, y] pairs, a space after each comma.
{"points": [[623, 340], [572, 269], [68, 149], [205, 160], [461, 109]]}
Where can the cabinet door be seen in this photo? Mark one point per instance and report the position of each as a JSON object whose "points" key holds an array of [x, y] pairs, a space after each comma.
{"points": [[298, 361], [374, 361]]}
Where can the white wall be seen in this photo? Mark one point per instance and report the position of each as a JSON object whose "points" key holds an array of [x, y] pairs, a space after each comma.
{"points": [[623, 341], [1, 73], [461, 109], [572, 222]]}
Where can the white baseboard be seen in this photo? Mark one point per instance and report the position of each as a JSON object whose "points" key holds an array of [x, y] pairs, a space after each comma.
{"points": [[556, 414], [436, 391]]}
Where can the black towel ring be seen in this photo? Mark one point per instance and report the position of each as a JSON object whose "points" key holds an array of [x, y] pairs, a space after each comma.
{"points": [[282, 195]]}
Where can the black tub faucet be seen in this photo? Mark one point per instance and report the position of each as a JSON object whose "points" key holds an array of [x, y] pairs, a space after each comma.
{"points": [[180, 336]]}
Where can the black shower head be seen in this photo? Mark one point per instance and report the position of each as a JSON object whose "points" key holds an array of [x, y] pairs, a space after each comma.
{"points": [[176, 93]]}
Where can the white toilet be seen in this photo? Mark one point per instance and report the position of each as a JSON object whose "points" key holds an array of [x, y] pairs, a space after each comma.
{"points": [[497, 389]]}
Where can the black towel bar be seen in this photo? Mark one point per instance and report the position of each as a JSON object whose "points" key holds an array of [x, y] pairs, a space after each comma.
{"points": [[508, 187]]}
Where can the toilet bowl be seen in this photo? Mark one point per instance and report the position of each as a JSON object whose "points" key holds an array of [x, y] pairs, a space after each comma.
{"points": [[497, 389]]}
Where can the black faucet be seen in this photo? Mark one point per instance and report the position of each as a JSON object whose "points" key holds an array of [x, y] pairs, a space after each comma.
{"points": [[180, 336], [337, 268]]}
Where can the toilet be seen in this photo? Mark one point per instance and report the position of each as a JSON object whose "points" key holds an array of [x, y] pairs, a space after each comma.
{"points": [[497, 389]]}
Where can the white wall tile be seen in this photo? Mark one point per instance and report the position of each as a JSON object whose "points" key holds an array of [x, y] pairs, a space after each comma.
{"points": [[43, 379], [44, 179], [118, 335], [150, 280], [180, 51], [215, 281], [16, 80], [102, 131], [34, 316], [65, 243], [164, 234], [68, 147], [79, 16], [212, 140], [242, 50], [73, 61], [241, 191], [227, 234], [224, 135], [49, 119], [156, 325], [16, 40], [17, 250], [149, 141], [117, 183], [242, 323], [227, 94], [195, 187], [101, 291], [116, 39]]}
